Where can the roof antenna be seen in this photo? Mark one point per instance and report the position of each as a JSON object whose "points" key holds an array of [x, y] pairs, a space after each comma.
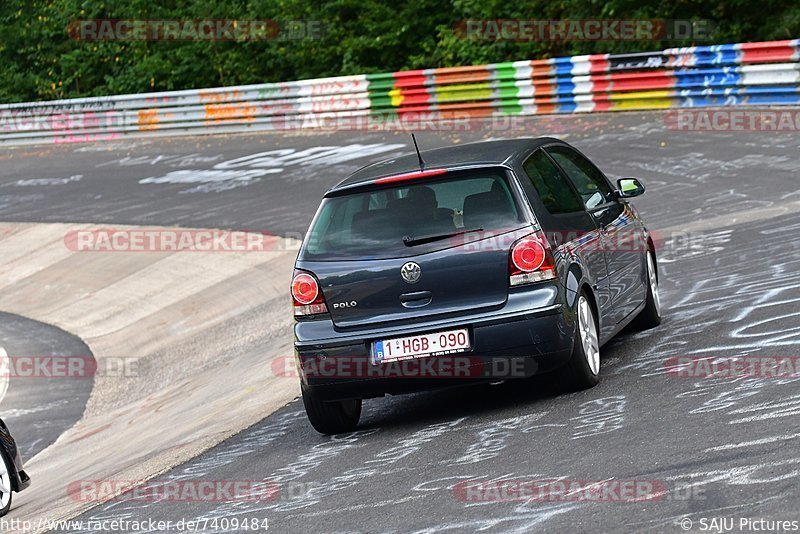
{"points": [[421, 161]]}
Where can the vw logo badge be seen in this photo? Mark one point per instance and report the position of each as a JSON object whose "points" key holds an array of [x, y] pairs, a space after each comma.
{"points": [[411, 272]]}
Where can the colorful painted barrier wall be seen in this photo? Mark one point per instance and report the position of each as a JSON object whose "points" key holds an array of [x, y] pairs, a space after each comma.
{"points": [[763, 74]]}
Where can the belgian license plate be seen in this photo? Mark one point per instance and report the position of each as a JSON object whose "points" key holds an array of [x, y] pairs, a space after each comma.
{"points": [[436, 344]]}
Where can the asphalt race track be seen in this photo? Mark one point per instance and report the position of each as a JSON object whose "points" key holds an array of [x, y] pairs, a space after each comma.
{"points": [[41, 407], [725, 206]]}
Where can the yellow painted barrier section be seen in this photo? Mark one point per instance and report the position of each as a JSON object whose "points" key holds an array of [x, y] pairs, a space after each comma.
{"points": [[397, 97], [641, 100], [472, 91]]}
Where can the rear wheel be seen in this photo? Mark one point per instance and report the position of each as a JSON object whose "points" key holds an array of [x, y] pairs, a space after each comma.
{"points": [[5, 485], [650, 316], [583, 369], [331, 417]]}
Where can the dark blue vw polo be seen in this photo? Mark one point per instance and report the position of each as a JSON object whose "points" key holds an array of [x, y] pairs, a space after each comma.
{"points": [[476, 262]]}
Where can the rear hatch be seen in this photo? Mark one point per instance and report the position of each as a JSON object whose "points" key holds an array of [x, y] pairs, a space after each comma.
{"points": [[415, 249]]}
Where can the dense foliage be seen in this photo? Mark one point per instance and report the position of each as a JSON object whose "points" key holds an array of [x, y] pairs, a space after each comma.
{"points": [[40, 60]]}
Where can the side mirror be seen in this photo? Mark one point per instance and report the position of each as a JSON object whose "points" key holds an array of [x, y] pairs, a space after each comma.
{"points": [[629, 187]]}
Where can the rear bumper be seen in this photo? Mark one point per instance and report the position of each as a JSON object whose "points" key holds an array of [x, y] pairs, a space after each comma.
{"points": [[514, 342]]}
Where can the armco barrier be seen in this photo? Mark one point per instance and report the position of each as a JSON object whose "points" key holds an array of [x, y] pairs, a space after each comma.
{"points": [[766, 73]]}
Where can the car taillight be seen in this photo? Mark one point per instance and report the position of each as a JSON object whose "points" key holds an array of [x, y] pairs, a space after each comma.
{"points": [[306, 296], [531, 260]]}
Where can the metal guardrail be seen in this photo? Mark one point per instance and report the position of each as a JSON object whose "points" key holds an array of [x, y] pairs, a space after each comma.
{"points": [[765, 73]]}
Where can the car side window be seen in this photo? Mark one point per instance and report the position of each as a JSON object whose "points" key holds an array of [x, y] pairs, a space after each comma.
{"points": [[551, 185], [588, 180]]}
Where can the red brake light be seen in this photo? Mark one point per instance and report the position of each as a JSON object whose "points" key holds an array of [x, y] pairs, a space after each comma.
{"points": [[306, 295], [531, 260], [304, 288], [528, 254], [410, 176]]}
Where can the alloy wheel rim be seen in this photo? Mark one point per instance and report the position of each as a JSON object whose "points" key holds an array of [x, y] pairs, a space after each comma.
{"points": [[588, 334], [651, 273]]}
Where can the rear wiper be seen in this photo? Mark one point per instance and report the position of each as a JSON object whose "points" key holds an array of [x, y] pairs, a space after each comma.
{"points": [[412, 241]]}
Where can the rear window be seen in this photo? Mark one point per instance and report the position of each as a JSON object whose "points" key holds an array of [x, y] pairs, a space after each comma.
{"points": [[379, 223]]}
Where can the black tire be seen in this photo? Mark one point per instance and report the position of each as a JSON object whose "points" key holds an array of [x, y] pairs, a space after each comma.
{"points": [[578, 373], [650, 316], [331, 417], [6, 474]]}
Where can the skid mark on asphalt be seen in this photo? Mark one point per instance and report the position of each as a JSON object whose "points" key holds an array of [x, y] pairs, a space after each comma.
{"points": [[493, 440], [247, 170]]}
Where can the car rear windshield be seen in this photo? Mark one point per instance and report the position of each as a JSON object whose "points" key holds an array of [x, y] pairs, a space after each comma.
{"points": [[412, 217]]}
